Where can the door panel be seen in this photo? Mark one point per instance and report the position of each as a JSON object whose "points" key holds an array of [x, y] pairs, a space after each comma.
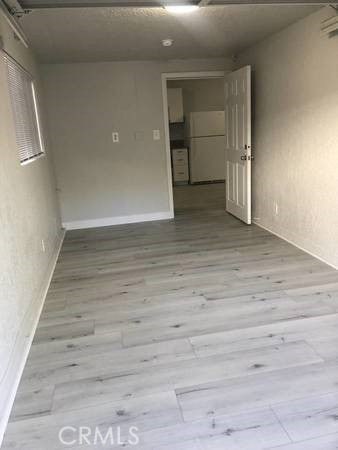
{"points": [[241, 185], [231, 178], [238, 143]]}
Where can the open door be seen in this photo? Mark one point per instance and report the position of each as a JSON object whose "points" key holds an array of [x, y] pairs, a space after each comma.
{"points": [[238, 143]]}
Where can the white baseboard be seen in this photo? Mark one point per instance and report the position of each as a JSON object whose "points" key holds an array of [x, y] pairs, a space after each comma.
{"points": [[118, 220], [295, 245], [23, 343]]}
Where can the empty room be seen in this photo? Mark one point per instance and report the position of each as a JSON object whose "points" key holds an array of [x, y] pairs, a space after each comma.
{"points": [[169, 224]]}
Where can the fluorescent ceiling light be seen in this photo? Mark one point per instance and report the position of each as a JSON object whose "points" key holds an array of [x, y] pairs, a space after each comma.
{"points": [[181, 9]]}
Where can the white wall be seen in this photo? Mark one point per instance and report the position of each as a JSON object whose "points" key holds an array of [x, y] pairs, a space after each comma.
{"points": [[201, 95], [101, 182], [29, 213], [296, 135]]}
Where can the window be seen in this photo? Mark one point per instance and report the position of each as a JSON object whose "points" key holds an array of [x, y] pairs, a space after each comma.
{"points": [[25, 112]]}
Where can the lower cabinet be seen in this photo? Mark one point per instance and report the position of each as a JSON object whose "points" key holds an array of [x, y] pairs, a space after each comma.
{"points": [[180, 164]]}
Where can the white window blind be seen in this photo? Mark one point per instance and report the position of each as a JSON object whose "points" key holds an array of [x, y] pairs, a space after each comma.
{"points": [[25, 112]]}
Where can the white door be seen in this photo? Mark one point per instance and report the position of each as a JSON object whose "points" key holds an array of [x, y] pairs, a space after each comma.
{"points": [[238, 143]]}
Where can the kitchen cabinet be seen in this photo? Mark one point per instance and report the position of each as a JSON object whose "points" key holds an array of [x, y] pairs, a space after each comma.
{"points": [[175, 105], [180, 164]]}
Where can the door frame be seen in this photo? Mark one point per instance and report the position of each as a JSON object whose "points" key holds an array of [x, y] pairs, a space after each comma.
{"points": [[168, 76]]}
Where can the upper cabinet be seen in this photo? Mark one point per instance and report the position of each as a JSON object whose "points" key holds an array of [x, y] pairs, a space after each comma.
{"points": [[175, 105]]}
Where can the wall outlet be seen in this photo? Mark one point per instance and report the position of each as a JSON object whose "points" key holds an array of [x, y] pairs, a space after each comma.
{"points": [[115, 136], [43, 247], [156, 135]]}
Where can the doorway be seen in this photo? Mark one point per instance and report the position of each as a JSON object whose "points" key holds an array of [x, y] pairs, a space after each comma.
{"points": [[194, 132], [217, 144]]}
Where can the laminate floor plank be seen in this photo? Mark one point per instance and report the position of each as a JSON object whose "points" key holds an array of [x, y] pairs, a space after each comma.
{"points": [[194, 323], [49, 371], [64, 331], [320, 332], [187, 374], [254, 430], [257, 391], [32, 404], [41, 433], [309, 417], [200, 331], [328, 442]]}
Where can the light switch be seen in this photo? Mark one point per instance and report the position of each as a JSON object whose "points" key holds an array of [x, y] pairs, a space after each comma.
{"points": [[115, 136], [156, 135]]}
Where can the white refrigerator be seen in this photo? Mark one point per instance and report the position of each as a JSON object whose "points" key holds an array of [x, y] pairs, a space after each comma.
{"points": [[205, 137]]}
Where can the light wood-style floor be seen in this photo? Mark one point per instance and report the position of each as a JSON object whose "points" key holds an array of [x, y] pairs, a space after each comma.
{"points": [[202, 332]]}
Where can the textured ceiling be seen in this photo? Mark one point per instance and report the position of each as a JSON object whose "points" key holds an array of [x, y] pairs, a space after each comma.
{"points": [[107, 34]]}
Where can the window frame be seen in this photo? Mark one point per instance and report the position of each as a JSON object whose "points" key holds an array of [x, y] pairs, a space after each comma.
{"points": [[36, 131]]}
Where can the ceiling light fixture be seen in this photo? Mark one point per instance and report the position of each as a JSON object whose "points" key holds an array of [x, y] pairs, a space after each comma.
{"points": [[181, 9]]}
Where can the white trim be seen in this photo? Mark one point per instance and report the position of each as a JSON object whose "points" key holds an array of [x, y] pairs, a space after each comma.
{"points": [[37, 115], [178, 76], [295, 245], [119, 220], [194, 75], [23, 343], [167, 144]]}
